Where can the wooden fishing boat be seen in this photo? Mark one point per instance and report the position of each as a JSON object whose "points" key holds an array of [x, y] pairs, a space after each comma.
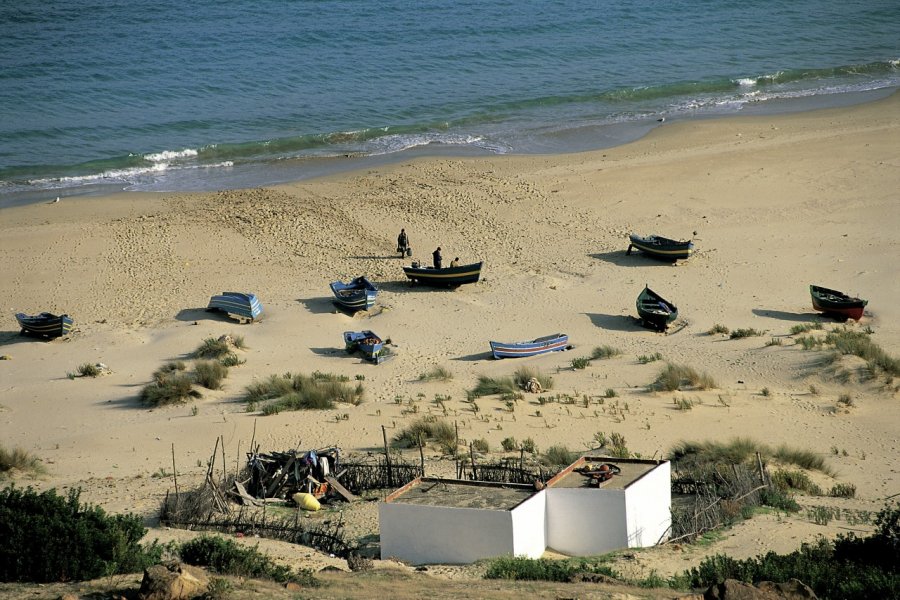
{"points": [[654, 310], [236, 303], [661, 248], [359, 294], [837, 303], [45, 324], [367, 343], [446, 277], [541, 345]]}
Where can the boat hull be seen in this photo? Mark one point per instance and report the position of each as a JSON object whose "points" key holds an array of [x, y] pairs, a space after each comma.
{"points": [[661, 248], [238, 304], [449, 277], [359, 294], [837, 303], [655, 311], [45, 325], [367, 343], [542, 345]]}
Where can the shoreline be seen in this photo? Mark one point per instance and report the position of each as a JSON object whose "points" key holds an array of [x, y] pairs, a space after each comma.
{"points": [[588, 138], [773, 202]]}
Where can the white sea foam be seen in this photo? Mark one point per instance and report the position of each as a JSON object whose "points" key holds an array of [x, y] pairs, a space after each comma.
{"points": [[170, 155], [129, 175], [746, 81]]}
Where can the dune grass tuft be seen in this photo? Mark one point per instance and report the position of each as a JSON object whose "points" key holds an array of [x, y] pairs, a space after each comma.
{"points": [[212, 348], [718, 328], [437, 373], [742, 449], [558, 455], [18, 460], [303, 392], [525, 374], [604, 352], [210, 374], [425, 430], [89, 370], [676, 377], [745, 332], [175, 387]]}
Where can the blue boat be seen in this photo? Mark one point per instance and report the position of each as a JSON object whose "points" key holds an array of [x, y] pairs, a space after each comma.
{"points": [[236, 303], [541, 345], [368, 343], [45, 324], [359, 294]]}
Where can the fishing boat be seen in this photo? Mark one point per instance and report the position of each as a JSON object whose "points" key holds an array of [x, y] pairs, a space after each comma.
{"points": [[837, 303], [236, 303], [45, 324], [367, 343], [654, 310], [541, 345], [446, 277], [661, 248], [359, 294]]}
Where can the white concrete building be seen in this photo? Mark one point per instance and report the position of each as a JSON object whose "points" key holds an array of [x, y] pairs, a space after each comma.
{"points": [[458, 522]]}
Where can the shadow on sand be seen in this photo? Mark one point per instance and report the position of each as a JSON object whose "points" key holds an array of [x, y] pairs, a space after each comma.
{"points": [[618, 257], [476, 356], [787, 316], [615, 322], [320, 305], [201, 314]]}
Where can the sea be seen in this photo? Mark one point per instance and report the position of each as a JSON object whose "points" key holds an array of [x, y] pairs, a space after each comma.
{"points": [[99, 96]]}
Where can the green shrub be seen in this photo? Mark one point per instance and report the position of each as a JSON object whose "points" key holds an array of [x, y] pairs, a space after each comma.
{"points": [[232, 360], [558, 455], [805, 328], [48, 538], [174, 388], [843, 490], [427, 429], [212, 348], [610, 393], [617, 446], [604, 352], [580, 362], [529, 446], [529, 569], [740, 449], [649, 358], [787, 481], [162, 373], [775, 342], [303, 392], [437, 373], [488, 386], [509, 444], [525, 374], [225, 557], [210, 374], [717, 328], [19, 460], [481, 445]]}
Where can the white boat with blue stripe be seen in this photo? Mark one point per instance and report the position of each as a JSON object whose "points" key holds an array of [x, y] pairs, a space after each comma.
{"points": [[541, 345]]}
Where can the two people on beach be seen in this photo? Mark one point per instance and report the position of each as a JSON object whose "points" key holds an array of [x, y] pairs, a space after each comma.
{"points": [[438, 259]]}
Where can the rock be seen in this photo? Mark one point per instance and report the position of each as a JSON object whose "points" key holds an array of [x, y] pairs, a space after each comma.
{"points": [[175, 581], [732, 589]]}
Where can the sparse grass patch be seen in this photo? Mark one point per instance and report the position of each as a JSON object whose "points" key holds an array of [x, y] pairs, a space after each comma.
{"points": [[19, 460], [795, 480], [437, 373], [509, 444], [843, 490], [176, 387], [805, 328], [775, 342], [231, 360], [604, 352], [675, 377], [746, 332], [303, 392], [858, 343], [580, 362], [683, 403], [488, 386], [649, 358], [525, 374], [226, 557], [717, 328], [481, 445], [742, 449], [529, 446], [610, 393], [845, 399], [212, 348], [210, 374]]}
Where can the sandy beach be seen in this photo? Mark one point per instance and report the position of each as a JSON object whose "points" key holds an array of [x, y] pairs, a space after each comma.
{"points": [[774, 203]]}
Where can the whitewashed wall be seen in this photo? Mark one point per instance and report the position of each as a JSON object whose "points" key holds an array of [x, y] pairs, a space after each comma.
{"points": [[442, 535], [648, 503], [530, 526], [582, 521]]}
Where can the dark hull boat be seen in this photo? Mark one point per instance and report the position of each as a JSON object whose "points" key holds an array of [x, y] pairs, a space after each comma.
{"points": [[837, 303], [359, 294], [654, 310], [661, 248], [367, 343], [236, 303], [448, 277], [541, 345], [45, 324]]}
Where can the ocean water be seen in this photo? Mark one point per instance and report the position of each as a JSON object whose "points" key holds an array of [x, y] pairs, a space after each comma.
{"points": [[98, 95]]}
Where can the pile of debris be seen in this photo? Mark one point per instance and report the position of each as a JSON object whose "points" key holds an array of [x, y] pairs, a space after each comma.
{"points": [[278, 476]]}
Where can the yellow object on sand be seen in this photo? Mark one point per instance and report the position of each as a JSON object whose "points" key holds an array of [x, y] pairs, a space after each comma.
{"points": [[306, 501]]}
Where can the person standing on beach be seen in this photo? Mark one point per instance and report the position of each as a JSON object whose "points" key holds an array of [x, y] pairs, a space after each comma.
{"points": [[436, 255], [402, 243]]}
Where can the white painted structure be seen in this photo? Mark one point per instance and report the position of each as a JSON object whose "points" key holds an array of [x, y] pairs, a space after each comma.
{"points": [[458, 522]]}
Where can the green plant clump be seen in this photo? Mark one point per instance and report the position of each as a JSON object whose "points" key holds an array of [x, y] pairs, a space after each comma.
{"points": [[437, 373], [49, 538], [210, 374], [580, 362], [604, 352], [19, 460], [746, 332], [89, 370], [509, 444], [558, 455], [303, 392], [718, 328], [675, 377], [172, 388], [225, 557], [529, 569], [428, 429]]}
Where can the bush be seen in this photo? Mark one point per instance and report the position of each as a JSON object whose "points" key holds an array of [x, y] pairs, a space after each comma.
{"points": [[509, 444], [209, 374], [303, 392], [558, 455], [174, 388], [742, 333], [225, 557], [843, 490], [717, 328], [89, 370], [488, 386], [529, 446], [529, 569], [231, 360], [787, 481], [481, 445], [805, 328], [438, 373], [427, 429], [525, 374], [212, 348], [580, 362], [48, 538], [741, 449], [649, 358]]}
